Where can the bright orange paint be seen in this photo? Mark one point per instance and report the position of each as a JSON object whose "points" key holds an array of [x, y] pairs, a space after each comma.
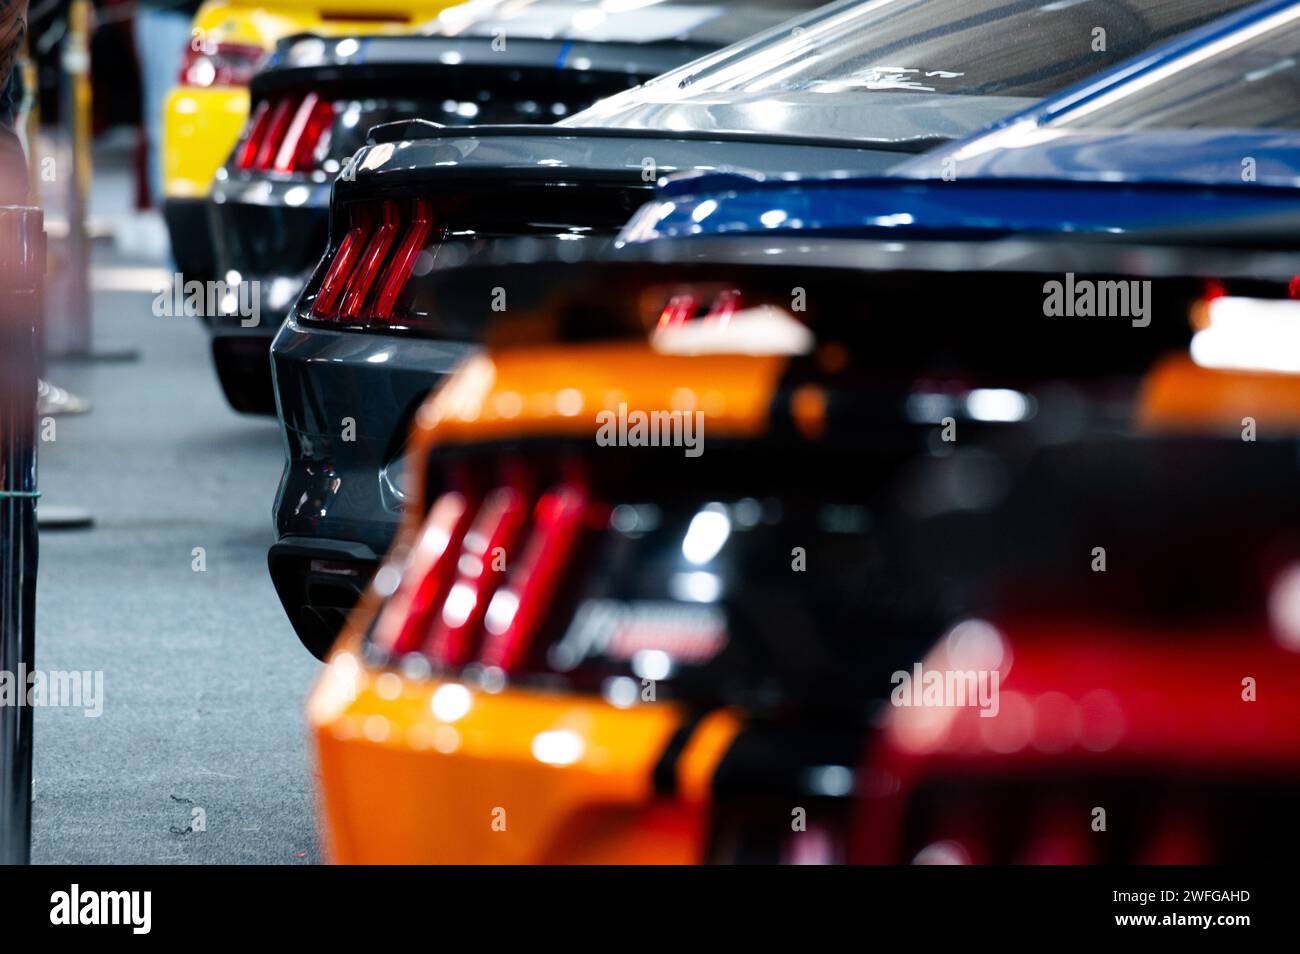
{"points": [[1179, 395], [516, 777], [403, 782]]}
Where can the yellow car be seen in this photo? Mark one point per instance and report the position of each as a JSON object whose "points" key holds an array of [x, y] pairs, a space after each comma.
{"points": [[207, 109]]}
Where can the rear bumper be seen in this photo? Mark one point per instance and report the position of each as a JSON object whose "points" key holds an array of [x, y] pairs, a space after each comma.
{"points": [[269, 228], [190, 230], [243, 363], [432, 774], [319, 582], [269, 248], [346, 401]]}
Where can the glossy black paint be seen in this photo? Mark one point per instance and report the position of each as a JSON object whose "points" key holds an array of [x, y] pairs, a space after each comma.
{"points": [[272, 227], [191, 240], [344, 481], [337, 492]]}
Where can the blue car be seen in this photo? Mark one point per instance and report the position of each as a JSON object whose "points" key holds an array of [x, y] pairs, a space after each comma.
{"points": [[1196, 141], [1024, 409]]}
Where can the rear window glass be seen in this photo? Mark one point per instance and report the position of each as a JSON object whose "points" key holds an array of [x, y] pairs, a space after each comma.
{"points": [[972, 47], [1250, 80]]}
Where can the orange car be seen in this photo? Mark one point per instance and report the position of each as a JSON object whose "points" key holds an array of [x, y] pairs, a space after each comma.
{"points": [[658, 594], [523, 773]]}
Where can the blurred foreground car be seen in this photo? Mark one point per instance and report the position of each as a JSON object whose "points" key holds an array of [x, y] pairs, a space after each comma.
{"points": [[485, 63], [364, 344], [207, 109], [696, 535]]}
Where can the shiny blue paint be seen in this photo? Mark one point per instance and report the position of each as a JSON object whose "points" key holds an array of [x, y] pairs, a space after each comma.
{"points": [[1024, 175], [988, 208]]}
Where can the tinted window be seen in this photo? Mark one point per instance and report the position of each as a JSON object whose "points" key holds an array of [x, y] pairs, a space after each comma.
{"points": [[1018, 48], [1250, 80]]}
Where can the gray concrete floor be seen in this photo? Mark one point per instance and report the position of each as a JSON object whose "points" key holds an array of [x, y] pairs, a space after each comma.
{"points": [[204, 681]]}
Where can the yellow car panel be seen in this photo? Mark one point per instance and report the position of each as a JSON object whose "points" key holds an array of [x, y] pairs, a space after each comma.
{"points": [[202, 124], [196, 116]]}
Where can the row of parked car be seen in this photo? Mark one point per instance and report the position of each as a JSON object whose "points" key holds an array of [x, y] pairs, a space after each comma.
{"points": [[666, 419]]}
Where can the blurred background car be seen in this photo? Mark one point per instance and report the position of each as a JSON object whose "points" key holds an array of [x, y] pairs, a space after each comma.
{"points": [[619, 652], [205, 112], [363, 345], [496, 63]]}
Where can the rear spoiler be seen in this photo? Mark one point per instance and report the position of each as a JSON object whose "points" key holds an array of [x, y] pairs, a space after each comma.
{"points": [[415, 153], [307, 59], [416, 129]]}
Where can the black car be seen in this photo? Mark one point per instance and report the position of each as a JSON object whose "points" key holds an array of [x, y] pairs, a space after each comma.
{"points": [[852, 86], [486, 63]]}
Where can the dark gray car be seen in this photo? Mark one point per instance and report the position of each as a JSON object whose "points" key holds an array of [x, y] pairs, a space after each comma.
{"points": [[483, 62]]}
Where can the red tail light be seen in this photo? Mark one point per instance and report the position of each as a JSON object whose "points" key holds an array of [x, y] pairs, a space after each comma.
{"points": [[684, 307], [297, 152], [374, 261], [402, 265], [480, 568], [403, 623], [680, 308], [724, 306], [362, 277], [284, 134], [256, 135], [518, 608], [340, 269], [481, 578], [219, 64], [276, 126]]}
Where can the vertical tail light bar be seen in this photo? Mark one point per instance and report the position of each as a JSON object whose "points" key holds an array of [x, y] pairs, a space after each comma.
{"points": [[404, 621], [480, 568], [517, 609], [256, 135], [480, 579], [402, 265], [373, 265], [276, 125], [363, 276], [336, 277], [724, 306], [296, 152], [283, 134], [679, 310]]}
